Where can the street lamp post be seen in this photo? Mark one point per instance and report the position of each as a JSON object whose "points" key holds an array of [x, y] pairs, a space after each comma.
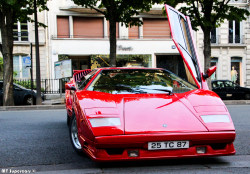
{"points": [[38, 77]]}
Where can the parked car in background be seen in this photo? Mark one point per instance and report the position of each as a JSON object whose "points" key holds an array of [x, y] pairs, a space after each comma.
{"points": [[227, 89], [22, 95]]}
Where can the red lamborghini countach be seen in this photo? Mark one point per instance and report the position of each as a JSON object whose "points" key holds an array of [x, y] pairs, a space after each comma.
{"points": [[149, 113]]}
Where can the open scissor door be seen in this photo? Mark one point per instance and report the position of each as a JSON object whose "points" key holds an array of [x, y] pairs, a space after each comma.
{"points": [[180, 28]]}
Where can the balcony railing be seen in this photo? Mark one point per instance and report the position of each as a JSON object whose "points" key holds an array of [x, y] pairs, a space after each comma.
{"points": [[106, 37], [21, 36]]}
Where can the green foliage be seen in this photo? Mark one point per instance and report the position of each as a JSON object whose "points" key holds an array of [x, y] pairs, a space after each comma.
{"points": [[26, 84], [209, 14], [23, 8], [121, 10], [63, 57]]}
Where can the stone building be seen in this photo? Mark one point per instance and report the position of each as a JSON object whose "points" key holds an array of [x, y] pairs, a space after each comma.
{"points": [[230, 48], [24, 36]]}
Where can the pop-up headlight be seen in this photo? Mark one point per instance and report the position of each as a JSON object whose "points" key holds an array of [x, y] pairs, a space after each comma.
{"points": [[215, 118], [100, 122]]}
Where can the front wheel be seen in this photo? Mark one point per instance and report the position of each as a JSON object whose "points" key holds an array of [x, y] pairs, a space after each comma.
{"points": [[73, 132]]}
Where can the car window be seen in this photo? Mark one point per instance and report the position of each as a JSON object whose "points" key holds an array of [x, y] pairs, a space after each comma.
{"points": [[126, 81], [220, 84], [1, 86], [215, 85], [229, 84], [183, 39], [85, 80]]}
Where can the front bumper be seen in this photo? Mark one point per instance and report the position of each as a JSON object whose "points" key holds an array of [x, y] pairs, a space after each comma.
{"points": [[117, 148]]}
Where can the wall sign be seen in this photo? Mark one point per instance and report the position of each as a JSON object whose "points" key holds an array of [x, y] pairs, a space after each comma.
{"points": [[122, 48], [63, 69]]}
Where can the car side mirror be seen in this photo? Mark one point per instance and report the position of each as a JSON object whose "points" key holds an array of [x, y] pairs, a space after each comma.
{"points": [[209, 72], [70, 86]]}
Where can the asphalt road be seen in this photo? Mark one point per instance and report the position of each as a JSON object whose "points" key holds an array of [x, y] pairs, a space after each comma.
{"points": [[38, 142]]}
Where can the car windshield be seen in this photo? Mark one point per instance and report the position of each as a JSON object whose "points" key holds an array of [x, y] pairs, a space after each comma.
{"points": [[127, 81]]}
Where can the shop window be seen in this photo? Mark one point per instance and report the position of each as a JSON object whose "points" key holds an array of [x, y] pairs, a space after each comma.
{"points": [[214, 62], [236, 69], [155, 28], [80, 62], [234, 32], [175, 64], [88, 27], [63, 27], [98, 61], [20, 67], [20, 31]]}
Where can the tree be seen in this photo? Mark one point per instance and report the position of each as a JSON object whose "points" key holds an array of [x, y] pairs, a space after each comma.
{"points": [[209, 14], [10, 12], [118, 11]]}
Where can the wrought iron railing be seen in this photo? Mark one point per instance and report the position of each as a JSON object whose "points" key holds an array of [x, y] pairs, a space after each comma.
{"points": [[21, 36], [48, 86]]}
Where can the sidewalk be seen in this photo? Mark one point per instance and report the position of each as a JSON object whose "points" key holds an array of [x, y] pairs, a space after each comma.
{"points": [[58, 103]]}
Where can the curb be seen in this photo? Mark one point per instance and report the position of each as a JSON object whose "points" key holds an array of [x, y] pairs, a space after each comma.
{"points": [[33, 107], [236, 102]]}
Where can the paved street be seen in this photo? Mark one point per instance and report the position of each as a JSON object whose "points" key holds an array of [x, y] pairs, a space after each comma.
{"points": [[38, 141]]}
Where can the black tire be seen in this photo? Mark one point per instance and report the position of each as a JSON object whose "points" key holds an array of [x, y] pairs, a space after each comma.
{"points": [[73, 134], [68, 120]]}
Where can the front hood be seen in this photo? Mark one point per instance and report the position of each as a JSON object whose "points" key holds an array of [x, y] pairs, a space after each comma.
{"points": [[159, 115]]}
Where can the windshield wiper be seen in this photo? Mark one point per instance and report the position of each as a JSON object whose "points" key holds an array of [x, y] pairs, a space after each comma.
{"points": [[118, 87], [164, 90]]}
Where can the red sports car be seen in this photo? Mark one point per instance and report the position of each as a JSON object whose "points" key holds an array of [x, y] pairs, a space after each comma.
{"points": [[149, 113]]}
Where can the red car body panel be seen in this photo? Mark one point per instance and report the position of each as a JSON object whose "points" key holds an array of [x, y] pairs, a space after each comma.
{"points": [[148, 118]]}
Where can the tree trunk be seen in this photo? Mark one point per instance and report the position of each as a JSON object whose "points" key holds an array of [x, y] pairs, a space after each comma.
{"points": [[207, 53], [6, 26], [112, 41]]}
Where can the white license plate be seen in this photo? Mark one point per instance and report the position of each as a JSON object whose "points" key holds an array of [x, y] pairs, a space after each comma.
{"points": [[168, 145]]}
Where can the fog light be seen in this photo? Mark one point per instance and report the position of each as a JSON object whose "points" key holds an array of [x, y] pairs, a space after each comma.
{"points": [[201, 150], [133, 153]]}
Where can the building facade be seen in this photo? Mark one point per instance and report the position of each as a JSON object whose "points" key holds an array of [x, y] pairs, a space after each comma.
{"points": [[82, 35], [24, 41], [230, 45]]}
